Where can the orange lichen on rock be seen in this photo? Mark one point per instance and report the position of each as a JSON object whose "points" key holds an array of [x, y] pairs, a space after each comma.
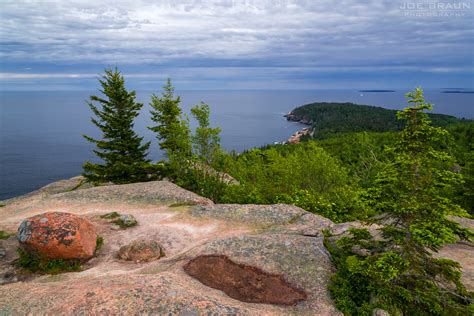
{"points": [[57, 235]]}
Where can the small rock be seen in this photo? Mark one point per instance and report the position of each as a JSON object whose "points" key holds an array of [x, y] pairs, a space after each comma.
{"points": [[57, 235], [140, 251], [126, 220], [3, 253]]}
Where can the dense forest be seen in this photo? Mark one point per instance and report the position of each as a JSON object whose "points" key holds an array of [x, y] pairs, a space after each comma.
{"points": [[406, 171], [329, 119]]}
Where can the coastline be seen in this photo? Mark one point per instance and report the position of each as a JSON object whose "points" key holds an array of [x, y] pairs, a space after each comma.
{"points": [[296, 137]]}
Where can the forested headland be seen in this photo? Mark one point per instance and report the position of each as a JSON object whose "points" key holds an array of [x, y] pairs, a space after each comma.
{"points": [[332, 118]]}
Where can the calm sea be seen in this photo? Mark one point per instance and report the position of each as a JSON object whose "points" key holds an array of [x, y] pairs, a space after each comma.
{"points": [[41, 142]]}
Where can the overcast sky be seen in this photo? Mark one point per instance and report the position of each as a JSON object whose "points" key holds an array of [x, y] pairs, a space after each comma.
{"points": [[238, 44]]}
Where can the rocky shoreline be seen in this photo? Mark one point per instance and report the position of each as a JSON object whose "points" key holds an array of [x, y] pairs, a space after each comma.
{"points": [[296, 137], [290, 116]]}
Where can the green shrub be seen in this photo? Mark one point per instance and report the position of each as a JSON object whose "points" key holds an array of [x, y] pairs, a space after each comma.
{"points": [[207, 184], [304, 175], [5, 235], [34, 263], [342, 205]]}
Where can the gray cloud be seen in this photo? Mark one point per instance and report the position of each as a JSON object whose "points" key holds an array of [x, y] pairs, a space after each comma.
{"points": [[364, 35]]}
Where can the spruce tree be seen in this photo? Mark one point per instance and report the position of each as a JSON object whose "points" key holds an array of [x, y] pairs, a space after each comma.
{"points": [[121, 150], [398, 272], [206, 139], [172, 130]]}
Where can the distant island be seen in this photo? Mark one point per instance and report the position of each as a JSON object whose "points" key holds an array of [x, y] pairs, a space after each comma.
{"points": [[457, 91], [376, 90]]}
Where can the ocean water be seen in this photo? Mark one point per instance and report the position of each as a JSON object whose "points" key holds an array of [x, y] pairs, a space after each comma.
{"points": [[41, 142]]}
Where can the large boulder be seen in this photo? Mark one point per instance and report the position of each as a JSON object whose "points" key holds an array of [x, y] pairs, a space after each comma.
{"points": [[57, 235]]}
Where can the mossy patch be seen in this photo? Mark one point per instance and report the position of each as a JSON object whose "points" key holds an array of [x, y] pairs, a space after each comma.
{"points": [[124, 225], [111, 215], [34, 263], [122, 220], [5, 235], [99, 243], [125, 221]]}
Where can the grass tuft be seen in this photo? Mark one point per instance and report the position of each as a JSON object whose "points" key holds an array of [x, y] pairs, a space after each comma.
{"points": [[5, 235], [99, 242], [35, 263]]}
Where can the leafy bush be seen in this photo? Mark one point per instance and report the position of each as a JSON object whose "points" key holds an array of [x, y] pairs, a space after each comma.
{"points": [[304, 175], [341, 205]]}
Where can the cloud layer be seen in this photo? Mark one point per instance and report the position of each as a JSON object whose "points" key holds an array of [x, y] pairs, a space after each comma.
{"points": [[226, 41]]}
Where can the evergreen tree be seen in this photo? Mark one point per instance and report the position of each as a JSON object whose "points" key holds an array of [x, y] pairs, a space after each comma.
{"points": [[206, 176], [173, 132], [172, 129], [120, 148], [397, 271], [206, 139]]}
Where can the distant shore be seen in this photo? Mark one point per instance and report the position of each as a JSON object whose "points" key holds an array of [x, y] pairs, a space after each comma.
{"points": [[457, 91], [377, 91]]}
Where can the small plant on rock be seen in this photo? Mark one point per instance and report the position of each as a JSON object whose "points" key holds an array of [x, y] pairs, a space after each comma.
{"points": [[98, 244], [34, 263], [5, 235]]}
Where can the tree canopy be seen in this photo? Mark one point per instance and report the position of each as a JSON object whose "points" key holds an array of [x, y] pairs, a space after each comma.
{"points": [[397, 270]]}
